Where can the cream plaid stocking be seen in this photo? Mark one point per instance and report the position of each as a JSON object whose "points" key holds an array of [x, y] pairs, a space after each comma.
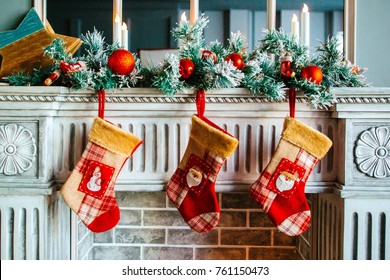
{"points": [[89, 190]]}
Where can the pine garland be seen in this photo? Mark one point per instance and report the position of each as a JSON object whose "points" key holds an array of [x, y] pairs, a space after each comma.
{"points": [[260, 74], [260, 78], [208, 74], [167, 77]]}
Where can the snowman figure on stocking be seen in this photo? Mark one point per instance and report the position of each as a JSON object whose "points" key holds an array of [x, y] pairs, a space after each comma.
{"points": [[94, 183]]}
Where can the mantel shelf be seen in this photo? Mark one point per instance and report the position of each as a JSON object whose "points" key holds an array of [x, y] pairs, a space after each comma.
{"points": [[55, 122], [60, 117]]}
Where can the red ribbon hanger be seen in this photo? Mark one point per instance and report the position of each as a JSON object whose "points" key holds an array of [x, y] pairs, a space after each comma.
{"points": [[291, 101], [101, 101], [200, 102]]}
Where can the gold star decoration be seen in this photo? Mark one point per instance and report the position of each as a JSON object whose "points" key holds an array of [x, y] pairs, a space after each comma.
{"points": [[22, 49]]}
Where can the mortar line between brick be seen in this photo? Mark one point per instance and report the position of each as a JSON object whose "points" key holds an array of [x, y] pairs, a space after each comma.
{"points": [[192, 246], [186, 227], [142, 218]]}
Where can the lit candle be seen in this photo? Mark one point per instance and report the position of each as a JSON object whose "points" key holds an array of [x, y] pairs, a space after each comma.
{"points": [[117, 36], [295, 28], [125, 36], [194, 11], [305, 27], [183, 18], [116, 18]]}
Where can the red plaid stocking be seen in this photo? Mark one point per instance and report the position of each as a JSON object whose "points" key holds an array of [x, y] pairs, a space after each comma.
{"points": [[191, 187], [89, 190], [280, 189]]}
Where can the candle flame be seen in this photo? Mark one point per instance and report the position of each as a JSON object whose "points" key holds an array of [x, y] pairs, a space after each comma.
{"points": [[124, 26], [294, 18], [305, 9], [117, 18], [183, 17]]}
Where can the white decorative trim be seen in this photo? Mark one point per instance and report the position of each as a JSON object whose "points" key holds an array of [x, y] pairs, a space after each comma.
{"points": [[180, 98], [17, 149], [362, 100], [372, 152]]}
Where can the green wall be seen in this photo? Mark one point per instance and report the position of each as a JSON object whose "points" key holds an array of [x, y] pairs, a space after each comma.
{"points": [[12, 12], [373, 40]]}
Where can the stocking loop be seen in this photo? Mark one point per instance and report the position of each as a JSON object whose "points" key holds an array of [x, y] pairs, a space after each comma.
{"points": [[101, 101], [291, 101], [200, 102]]}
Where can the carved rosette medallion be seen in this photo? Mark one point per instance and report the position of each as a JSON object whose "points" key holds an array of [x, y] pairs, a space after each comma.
{"points": [[372, 152], [17, 149]]}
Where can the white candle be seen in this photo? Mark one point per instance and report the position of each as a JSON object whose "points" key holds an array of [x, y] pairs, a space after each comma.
{"points": [[183, 18], [194, 11], [295, 28], [305, 26], [117, 36], [116, 11], [117, 8], [271, 14], [125, 36]]}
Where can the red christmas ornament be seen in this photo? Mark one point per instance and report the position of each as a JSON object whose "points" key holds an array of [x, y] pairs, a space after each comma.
{"points": [[206, 54], [312, 73], [186, 68], [121, 62], [285, 66], [236, 59]]}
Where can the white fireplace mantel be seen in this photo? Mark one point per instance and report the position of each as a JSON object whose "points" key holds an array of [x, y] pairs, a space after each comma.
{"points": [[53, 124], [59, 117]]}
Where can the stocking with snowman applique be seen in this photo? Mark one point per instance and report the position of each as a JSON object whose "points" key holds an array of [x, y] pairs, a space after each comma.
{"points": [[89, 190]]}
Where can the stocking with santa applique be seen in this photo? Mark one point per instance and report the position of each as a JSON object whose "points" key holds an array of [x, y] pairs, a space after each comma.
{"points": [[89, 190], [192, 186], [280, 189]]}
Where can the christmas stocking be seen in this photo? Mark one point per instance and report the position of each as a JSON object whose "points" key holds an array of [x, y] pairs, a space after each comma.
{"points": [[89, 191], [191, 187], [280, 189]]}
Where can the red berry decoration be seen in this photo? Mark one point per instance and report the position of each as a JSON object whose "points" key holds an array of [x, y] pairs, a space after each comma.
{"points": [[312, 73], [186, 68], [121, 62], [206, 54], [355, 70], [236, 59]]}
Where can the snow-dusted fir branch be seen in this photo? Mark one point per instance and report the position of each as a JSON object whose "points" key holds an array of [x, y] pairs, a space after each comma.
{"points": [[319, 96], [236, 42], [166, 77], [261, 78], [278, 42], [222, 75], [190, 35], [338, 72], [57, 51], [97, 50]]}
